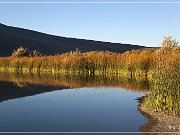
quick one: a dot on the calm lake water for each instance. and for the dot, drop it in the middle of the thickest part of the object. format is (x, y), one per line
(33, 105)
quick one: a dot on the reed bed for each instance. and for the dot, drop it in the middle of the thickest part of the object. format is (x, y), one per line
(132, 63)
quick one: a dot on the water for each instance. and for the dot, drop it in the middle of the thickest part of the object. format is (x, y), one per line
(38, 107)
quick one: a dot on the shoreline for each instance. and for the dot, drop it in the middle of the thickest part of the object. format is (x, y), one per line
(159, 122)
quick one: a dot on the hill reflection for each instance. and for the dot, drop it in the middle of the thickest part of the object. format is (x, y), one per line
(21, 85)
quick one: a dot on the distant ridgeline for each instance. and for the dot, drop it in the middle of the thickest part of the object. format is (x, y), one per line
(12, 37)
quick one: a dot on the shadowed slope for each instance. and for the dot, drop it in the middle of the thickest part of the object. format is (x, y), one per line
(12, 37)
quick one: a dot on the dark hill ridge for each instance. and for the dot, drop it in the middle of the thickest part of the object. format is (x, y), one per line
(12, 37)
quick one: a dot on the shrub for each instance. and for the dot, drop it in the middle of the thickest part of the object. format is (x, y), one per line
(24, 52)
(168, 42)
(20, 52)
(34, 53)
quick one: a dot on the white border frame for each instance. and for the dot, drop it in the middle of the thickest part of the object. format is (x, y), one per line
(88, 2)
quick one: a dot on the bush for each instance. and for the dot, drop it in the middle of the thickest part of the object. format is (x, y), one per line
(24, 52)
(168, 42)
(35, 53)
(20, 52)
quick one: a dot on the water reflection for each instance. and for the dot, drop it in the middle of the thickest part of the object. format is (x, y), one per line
(10, 90)
(21, 85)
(67, 103)
(82, 110)
(21, 80)
(71, 105)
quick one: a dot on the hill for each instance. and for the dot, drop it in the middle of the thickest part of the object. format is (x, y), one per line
(12, 37)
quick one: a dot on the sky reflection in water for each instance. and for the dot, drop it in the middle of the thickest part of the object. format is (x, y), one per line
(80, 109)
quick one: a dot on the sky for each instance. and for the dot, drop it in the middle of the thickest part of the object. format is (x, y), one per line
(141, 23)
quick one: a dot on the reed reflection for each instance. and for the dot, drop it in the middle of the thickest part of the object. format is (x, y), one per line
(21, 85)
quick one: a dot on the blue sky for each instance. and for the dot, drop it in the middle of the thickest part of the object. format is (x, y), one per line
(143, 24)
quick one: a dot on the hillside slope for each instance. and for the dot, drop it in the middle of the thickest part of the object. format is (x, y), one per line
(12, 37)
